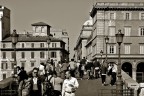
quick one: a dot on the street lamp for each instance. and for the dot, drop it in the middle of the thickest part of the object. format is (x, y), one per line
(48, 42)
(119, 86)
(106, 41)
(101, 52)
(14, 38)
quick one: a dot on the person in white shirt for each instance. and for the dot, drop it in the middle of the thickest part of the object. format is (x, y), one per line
(72, 67)
(113, 76)
(70, 85)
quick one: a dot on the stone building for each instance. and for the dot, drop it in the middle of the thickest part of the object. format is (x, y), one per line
(80, 49)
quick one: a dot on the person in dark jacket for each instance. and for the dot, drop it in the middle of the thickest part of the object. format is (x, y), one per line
(81, 70)
(89, 68)
(22, 75)
(36, 85)
(83, 61)
(103, 72)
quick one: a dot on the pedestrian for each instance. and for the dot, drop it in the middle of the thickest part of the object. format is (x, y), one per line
(57, 84)
(96, 68)
(83, 61)
(41, 71)
(36, 85)
(64, 68)
(22, 75)
(72, 67)
(89, 69)
(70, 85)
(114, 71)
(24, 87)
(81, 71)
(57, 67)
(103, 72)
(141, 91)
(48, 88)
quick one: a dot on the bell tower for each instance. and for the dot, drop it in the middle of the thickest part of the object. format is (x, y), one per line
(4, 22)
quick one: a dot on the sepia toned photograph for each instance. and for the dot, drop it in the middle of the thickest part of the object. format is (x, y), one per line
(71, 47)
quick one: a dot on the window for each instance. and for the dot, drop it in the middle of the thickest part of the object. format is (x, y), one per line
(22, 54)
(141, 31)
(32, 54)
(4, 76)
(42, 54)
(111, 49)
(112, 16)
(36, 28)
(41, 45)
(12, 55)
(127, 49)
(42, 29)
(127, 16)
(32, 64)
(53, 54)
(141, 48)
(4, 45)
(142, 16)
(127, 31)
(54, 45)
(4, 55)
(22, 64)
(111, 31)
(12, 65)
(23, 45)
(32, 45)
(4, 65)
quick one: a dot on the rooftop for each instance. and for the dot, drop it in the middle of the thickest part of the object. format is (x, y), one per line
(25, 38)
(40, 24)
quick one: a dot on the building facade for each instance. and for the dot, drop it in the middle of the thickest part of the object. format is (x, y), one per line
(80, 49)
(108, 18)
(61, 34)
(32, 48)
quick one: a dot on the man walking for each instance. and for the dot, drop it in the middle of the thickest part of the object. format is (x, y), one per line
(70, 85)
(72, 66)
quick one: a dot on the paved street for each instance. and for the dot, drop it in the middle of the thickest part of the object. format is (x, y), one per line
(92, 88)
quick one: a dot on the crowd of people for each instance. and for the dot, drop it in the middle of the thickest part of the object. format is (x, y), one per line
(48, 80)
(61, 79)
(96, 69)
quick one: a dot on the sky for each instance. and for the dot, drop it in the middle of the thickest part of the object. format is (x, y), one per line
(60, 14)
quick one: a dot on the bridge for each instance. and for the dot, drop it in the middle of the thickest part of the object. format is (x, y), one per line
(87, 87)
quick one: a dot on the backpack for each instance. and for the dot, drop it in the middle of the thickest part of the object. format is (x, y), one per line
(49, 90)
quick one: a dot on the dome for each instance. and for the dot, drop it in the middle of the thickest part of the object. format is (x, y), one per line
(88, 22)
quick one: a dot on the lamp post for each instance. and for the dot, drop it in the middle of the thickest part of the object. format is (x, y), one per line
(106, 41)
(119, 86)
(14, 38)
(101, 53)
(48, 42)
